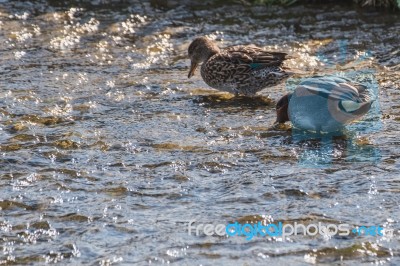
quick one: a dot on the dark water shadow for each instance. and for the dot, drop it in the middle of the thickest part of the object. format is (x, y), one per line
(223, 101)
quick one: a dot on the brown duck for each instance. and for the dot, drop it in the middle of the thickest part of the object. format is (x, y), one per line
(243, 69)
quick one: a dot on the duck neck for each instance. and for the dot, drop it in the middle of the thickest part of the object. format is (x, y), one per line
(211, 50)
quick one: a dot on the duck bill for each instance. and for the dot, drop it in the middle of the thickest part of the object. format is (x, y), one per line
(193, 67)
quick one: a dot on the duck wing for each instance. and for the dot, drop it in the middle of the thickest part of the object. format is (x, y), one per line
(337, 88)
(252, 56)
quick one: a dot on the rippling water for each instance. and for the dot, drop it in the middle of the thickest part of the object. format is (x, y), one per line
(108, 150)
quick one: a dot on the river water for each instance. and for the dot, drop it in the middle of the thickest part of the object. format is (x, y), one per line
(108, 151)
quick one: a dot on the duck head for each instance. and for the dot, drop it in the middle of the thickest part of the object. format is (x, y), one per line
(282, 109)
(199, 51)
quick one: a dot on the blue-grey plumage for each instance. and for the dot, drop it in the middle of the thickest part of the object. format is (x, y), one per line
(242, 69)
(324, 104)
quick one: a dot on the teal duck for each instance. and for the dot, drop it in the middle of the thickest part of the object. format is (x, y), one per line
(324, 104)
(243, 69)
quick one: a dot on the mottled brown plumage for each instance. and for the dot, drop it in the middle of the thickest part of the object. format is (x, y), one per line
(243, 69)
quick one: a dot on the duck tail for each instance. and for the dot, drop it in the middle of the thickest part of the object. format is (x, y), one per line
(355, 108)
